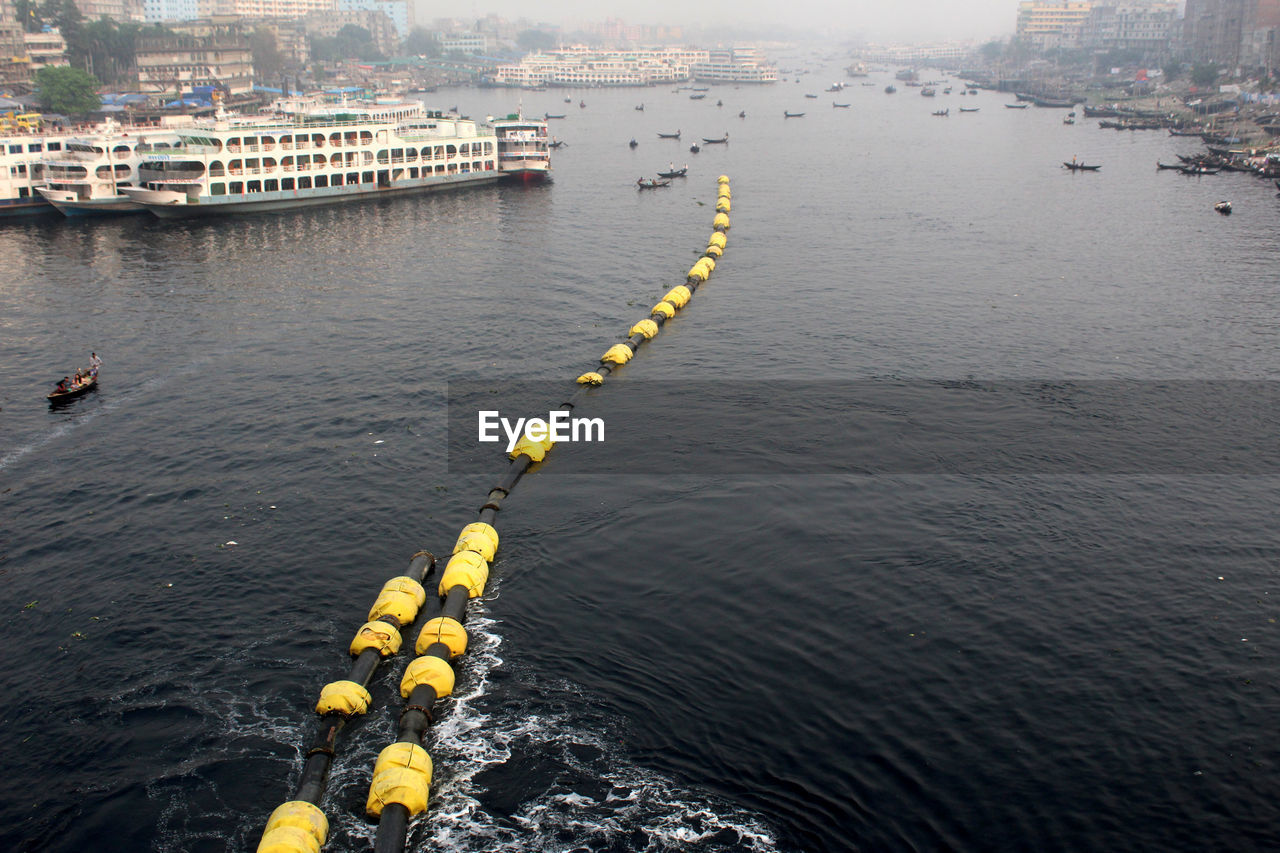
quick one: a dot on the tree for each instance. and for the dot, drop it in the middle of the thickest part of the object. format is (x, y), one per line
(421, 42)
(1171, 71)
(267, 59)
(29, 15)
(535, 40)
(1204, 76)
(67, 90)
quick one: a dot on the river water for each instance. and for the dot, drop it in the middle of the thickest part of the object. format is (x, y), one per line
(943, 517)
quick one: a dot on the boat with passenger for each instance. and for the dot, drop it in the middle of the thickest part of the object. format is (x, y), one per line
(319, 155)
(85, 177)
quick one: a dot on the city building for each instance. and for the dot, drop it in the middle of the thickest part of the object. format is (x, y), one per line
(45, 48)
(398, 11)
(1046, 25)
(472, 44)
(173, 65)
(1234, 34)
(382, 32)
(158, 11)
(120, 11)
(1133, 26)
(581, 65)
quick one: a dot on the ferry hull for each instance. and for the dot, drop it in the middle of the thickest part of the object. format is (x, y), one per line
(15, 208)
(72, 205)
(168, 204)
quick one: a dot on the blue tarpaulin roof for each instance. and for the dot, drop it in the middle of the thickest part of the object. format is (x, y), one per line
(189, 102)
(258, 88)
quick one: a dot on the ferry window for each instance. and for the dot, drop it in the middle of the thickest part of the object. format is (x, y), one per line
(353, 177)
(237, 187)
(397, 155)
(255, 186)
(15, 149)
(322, 180)
(304, 183)
(366, 177)
(286, 183)
(413, 171)
(336, 181)
(382, 156)
(23, 192)
(271, 185)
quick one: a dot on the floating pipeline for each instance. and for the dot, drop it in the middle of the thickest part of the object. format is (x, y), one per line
(401, 783)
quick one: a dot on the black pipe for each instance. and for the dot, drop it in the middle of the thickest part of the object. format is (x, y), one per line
(393, 829)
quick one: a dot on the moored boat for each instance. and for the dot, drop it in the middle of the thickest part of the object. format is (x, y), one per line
(318, 157)
(22, 172)
(524, 152)
(86, 178)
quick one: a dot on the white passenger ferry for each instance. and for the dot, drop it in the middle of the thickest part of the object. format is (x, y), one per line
(86, 177)
(524, 151)
(22, 172)
(316, 156)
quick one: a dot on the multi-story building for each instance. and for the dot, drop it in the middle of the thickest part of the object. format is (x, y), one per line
(473, 44)
(1235, 34)
(178, 64)
(382, 32)
(15, 69)
(158, 11)
(1045, 25)
(1133, 26)
(120, 11)
(397, 10)
(46, 48)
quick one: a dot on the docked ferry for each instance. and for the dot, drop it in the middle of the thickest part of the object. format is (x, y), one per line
(316, 156)
(22, 173)
(87, 176)
(524, 150)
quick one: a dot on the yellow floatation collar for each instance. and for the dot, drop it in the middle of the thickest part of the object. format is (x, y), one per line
(646, 327)
(617, 354)
(666, 309)
(376, 635)
(535, 450)
(723, 179)
(343, 697)
(295, 826)
(678, 296)
(401, 775)
(721, 221)
(431, 670)
(479, 537)
(717, 239)
(467, 569)
(401, 598)
(442, 629)
(591, 378)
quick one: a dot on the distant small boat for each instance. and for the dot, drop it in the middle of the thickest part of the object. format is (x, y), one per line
(640, 108)
(698, 97)
(811, 96)
(786, 114)
(651, 183)
(555, 143)
(568, 100)
(889, 90)
(742, 114)
(1017, 106)
(943, 113)
(633, 143)
(839, 106)
(678, 173)
(582, 104)
(675, 135)
(928, 92)
(719, 103)
(1080, 167)
(549, 116)
(969, 109)
(1160, 166)
(1223, 207)
(722, 140)
(1068, 120)
(694, 148)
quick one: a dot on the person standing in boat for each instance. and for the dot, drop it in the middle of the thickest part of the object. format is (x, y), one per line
(94, 363)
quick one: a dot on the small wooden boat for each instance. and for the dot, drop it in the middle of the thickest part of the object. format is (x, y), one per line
(1161, 166)
(1223, 207)
(786, 114)
(694, 148)
(582, 104)
(943, 113)
(633, 143)
(889, 90)
(721, 141)
(74, 391)
(1017, 106)
(555, 143)
(811, 96)
(640, 108)
(678, 173)
(742, 114)
(697, 97)
(549, 116)
(675, 135)
(651, 183)
(1080, 167)
(719, 103)
(969, 109)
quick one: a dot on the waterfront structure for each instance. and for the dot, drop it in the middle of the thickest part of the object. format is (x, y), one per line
(1235, 34)
(579, 65)
(735, 65)
(1044, 24)
(180, 64)
(159, 11)
(1147, 27)
(473, 44)
(397, 10)
(316, 156)
(120, 11)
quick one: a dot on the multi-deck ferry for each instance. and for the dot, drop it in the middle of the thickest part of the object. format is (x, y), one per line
(317, 156)
(87, 176)
(524, 151)
(22, 172)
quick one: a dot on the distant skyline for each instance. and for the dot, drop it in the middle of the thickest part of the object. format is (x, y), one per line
(905, 20)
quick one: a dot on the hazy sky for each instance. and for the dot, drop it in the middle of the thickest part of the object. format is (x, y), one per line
(916, 20)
